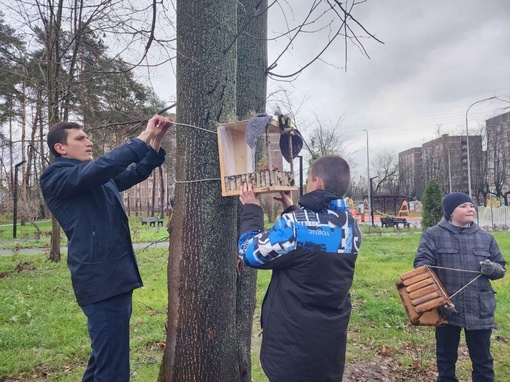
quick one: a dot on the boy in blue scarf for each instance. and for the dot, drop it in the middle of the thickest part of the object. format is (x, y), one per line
(312, 252)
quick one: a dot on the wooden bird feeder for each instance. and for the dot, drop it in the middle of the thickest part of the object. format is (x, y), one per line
(237, 162)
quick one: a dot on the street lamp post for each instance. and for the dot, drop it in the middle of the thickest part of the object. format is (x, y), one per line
(370, 198)
(369, 182)
(467, 142)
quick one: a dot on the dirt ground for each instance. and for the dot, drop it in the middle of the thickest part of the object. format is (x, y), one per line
(384, 369)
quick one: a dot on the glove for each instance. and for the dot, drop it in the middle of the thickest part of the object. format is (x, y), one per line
(446, 311)
(487, 267)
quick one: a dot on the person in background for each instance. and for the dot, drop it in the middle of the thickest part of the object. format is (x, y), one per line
(84, 196)
(457, 242)
(312, 252)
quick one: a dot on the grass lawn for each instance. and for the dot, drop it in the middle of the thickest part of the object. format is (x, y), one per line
(43, 332)
(37, 234)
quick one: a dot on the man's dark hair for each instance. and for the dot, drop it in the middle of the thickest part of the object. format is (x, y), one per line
(334, 172)
(58, 134)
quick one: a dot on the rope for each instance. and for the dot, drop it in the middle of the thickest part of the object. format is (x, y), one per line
(453, 269)
(465, 286)
(459, 270)
(195, 181)
(195, 127)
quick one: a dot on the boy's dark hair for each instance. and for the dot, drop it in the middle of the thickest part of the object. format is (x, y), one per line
(58, 134)
(334, 172)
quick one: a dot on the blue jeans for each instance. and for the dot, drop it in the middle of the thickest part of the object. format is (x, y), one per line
(108, 325)
(478, 343)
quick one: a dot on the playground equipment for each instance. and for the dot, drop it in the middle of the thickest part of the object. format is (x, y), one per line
(404, 210)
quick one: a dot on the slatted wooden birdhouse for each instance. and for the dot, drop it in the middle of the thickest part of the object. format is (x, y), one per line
(238, 164)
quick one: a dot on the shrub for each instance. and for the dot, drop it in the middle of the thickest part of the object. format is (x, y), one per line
(432, 207)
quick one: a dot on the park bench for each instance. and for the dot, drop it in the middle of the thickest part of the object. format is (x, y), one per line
(394, 222)
(152, 221)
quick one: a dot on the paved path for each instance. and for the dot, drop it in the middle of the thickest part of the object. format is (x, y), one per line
(32, 251)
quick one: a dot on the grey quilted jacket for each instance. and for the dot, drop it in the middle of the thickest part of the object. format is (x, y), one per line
(446, 245)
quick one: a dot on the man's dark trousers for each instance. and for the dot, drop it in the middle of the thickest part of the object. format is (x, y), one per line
(108, 325)
(478, 342)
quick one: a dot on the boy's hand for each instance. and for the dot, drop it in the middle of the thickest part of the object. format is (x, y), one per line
(285, 198)
(247, 196)
(487, 267)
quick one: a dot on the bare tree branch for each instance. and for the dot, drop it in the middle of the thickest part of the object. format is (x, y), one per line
(344, 15)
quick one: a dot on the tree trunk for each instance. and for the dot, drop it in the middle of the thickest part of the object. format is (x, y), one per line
(52, 74)
(162, 207)
(153, 196)
(251, 58)
(251, 97)
(201, 338)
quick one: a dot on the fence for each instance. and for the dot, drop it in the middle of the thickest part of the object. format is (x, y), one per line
(493, 216)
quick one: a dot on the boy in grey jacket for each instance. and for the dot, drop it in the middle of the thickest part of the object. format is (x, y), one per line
(457, 243)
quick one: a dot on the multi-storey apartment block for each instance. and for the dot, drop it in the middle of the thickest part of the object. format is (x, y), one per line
(443, 159)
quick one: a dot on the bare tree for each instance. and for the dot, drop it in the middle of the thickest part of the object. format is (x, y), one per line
(498, 160)
(200, 277)
(385, 165)
(338, 22)
(66, 74)
(326, 138)
(202, 273)
(251, 89)
(201, 340)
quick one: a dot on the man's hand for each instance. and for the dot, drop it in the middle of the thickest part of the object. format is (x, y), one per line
(487, 267)
(156, 129)
(163, 126)
(285, 198)
(247, 196)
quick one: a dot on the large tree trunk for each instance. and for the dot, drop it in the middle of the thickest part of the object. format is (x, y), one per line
(251, 57)
(251, 97)
(201, 338)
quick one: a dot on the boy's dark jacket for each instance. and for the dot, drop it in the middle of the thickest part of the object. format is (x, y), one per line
(307, 306)
(448, 246)
(84, 198)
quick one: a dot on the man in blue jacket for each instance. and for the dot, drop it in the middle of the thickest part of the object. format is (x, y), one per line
(312, 251)
(83, 195)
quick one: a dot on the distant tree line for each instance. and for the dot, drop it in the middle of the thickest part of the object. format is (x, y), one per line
(59, 67)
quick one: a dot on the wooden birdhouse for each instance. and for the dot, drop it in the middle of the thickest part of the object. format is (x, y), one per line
(237, 161)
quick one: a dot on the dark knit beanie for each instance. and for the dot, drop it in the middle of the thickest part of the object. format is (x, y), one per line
(452, 201)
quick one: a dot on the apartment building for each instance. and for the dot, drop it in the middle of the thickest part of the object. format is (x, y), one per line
(498, 154)
(443, 159)
(410, 172)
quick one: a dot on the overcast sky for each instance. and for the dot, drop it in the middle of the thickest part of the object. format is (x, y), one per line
(438, 57)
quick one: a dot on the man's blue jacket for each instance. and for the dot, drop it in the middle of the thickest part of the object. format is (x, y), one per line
(84, 198)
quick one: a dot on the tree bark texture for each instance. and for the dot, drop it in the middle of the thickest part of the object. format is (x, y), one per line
(201, 337)
(251, 58)
(251, 98)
